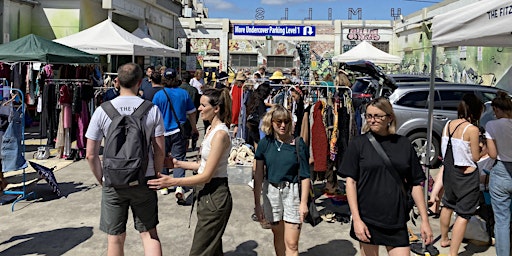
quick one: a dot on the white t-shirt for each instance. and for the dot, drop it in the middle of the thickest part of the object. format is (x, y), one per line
(197, 84)
(126, 105)
(500, 131)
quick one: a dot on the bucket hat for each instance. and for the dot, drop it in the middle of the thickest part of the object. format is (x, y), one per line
(240, 76)
(277, 75)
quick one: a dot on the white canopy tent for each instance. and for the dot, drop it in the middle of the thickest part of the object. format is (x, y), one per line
(366, 51)
(107, 38)
(484, 23)
(168, 51)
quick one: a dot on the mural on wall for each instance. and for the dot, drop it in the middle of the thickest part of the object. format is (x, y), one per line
(320, 53)
(490, 66)
(204, 44)
(321, 58)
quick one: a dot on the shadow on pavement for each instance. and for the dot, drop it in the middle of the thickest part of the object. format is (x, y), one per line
(472, 249)
(244, 249)
(53, 242)
(341, 247)
(44, 192)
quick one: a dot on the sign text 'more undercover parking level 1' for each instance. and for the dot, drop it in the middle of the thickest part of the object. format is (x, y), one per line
(250, 30)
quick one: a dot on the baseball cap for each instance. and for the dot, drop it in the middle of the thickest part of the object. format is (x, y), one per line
(222, 76)
(170, 73)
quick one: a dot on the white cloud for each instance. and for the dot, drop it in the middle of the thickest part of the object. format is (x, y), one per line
(220, 5)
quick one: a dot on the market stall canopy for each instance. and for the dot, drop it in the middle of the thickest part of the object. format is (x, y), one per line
(168, 51)
(366, 51)
(36, 48)
(109, 38)
(484, 23)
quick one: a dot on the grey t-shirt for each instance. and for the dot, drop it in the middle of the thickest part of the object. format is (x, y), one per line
(126, 105)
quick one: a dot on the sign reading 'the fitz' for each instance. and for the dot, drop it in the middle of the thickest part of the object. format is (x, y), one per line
(250, 30)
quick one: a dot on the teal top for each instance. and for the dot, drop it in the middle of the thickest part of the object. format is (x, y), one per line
(281, 160)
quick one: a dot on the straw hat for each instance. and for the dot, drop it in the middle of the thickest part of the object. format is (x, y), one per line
(240, 76)
(277, 75)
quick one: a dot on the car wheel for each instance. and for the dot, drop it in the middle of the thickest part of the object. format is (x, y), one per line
(419, 142)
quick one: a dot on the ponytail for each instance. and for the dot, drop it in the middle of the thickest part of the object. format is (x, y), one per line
(221, 98)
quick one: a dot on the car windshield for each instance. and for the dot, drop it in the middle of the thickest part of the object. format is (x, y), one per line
(360, 85)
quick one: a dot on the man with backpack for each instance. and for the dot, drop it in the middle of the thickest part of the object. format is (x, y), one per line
(176, 107)
(133, 153)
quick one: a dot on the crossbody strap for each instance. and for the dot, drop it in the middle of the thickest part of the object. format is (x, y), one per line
(172, 109)
(387, 161)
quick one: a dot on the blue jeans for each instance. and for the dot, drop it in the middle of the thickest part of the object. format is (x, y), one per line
(500, 188)
(13, 157)
(177, 146)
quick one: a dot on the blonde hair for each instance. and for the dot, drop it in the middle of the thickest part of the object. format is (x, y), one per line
(277, 112)
(384, 105)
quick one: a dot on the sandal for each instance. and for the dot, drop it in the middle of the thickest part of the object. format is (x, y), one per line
(412, 237)
(432, 214)
(329, 217)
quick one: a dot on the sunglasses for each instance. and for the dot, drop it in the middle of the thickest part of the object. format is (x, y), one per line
(279, 122)
(375, 117)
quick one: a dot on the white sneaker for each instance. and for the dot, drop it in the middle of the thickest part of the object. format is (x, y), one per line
(179, 195)
(164, 191)
(251, 184)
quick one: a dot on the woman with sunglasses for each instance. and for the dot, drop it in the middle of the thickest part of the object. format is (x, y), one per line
(376, 200)
(287, 169)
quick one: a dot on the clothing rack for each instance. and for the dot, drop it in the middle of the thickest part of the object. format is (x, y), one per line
(66, 80)
(314, 86)
(23, 194)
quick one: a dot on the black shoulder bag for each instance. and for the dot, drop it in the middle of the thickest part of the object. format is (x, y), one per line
(409, 203)
(313, 217)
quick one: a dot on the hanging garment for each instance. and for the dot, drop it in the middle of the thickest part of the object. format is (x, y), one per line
(13, 157)
(319, 139)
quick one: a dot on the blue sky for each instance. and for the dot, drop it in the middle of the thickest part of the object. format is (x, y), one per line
(299, 9)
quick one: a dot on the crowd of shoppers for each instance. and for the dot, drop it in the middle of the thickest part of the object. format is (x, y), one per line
(281, 185)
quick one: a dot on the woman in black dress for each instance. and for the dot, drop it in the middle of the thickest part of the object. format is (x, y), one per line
(376, 200)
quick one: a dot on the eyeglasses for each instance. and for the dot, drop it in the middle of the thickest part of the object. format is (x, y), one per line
(376, 117)
(279, 122)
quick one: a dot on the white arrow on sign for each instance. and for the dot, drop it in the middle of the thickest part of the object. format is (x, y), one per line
(308, 30)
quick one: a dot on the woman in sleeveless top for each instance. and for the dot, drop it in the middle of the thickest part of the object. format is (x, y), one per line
(499, 136)
(461, 151)
(214, 202)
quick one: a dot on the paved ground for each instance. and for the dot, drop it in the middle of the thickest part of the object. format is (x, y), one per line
(48, 225)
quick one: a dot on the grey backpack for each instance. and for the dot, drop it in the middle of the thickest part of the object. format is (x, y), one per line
(125, 154)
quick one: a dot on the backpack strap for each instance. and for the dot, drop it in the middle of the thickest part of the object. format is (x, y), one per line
(110, 110)
(143, 109)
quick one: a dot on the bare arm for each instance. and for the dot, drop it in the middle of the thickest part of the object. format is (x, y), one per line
(474, 142)
(93, 158)
(419, 200)
(192, 119)
(159, 153)
(220, 143)
(491, 148)
(352, 198)
(303, 208)
(360, 228)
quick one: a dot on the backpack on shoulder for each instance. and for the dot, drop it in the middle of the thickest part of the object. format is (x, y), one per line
(125, 153)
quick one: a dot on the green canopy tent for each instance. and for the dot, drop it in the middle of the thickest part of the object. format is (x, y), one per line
(36, 48)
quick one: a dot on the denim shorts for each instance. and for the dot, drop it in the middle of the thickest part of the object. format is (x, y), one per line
(281, 201)
(116, 202)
